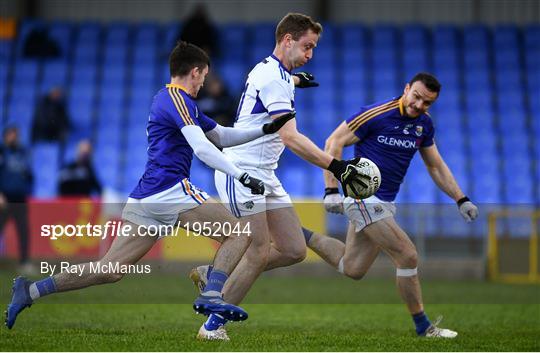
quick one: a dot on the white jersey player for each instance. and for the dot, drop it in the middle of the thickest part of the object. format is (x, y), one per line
(277, 236)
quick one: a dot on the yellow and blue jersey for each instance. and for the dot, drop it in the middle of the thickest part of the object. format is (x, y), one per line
(169, 154)
(390, 139)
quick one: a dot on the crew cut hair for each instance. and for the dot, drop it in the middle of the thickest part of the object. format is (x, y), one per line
(296, 24)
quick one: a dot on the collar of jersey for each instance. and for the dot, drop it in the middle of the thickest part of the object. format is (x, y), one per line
(174, 85)
(280, 63)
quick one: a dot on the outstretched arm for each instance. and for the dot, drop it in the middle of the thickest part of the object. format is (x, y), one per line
(223, 136)
(211, 156)
(442, 176)
(307, 150)
(440, 173)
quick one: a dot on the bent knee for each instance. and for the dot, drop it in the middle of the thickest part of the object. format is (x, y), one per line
(409, 259)
(295, 256)
(258, 253)
(354, 273)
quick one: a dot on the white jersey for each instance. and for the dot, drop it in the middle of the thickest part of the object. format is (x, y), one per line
(269, 90)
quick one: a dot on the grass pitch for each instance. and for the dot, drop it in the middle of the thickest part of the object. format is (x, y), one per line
(154, 314)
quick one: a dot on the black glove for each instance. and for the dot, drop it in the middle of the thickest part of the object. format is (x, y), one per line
(307, 80)
(345, 172)
(278, 123)
(255, 185)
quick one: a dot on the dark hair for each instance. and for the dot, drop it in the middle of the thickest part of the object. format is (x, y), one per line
(428, 80)
(296, 25)
(186, 56)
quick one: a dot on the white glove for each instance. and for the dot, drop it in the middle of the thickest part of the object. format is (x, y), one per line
(333, 201)
(468, 210)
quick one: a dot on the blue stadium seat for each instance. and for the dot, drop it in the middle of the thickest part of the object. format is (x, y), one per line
(144, 78)
(507, 60)
(414, 62)
(446, 60)
(384, 36)
(353, 100)
(146, 34)
(478, 80)
(144, 56)
(505, 37)
(475, 59)
(486, 189)
(202, 177)
(353, 35)
(444, 36)
(509, 80)
(6, 49)
(61, 33)
(114, 74)
(475, 36)
(263, 35)
(450, 78)
(384, 58)
(117, 33)
(107, 160)
(515, 144)
(295, 180)
(233, 41)
(234, 76)
(421, 187)
(115, 56)
(512, 118)
(26, 70)
(414, 37)
(84, 74)
(45, 165)
(54, 75)
(172, 31)
(89, 32)
(521, 188)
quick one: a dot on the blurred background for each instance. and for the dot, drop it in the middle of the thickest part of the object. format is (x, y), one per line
(77, 79)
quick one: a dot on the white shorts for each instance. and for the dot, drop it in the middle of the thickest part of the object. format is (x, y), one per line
(362, 213)
(241, 202)
(164, 207)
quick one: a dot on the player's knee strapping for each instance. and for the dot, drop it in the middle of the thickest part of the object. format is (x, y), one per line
(406, 272)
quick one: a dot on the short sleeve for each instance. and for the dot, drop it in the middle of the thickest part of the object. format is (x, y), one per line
(205, 122)
(276, 96)
(359, 123)
(182, 110)
(430, 134)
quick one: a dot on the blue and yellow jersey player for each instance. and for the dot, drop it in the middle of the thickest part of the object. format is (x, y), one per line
(388, 133)
(165, 196)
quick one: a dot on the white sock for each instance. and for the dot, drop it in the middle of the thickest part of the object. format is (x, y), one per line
(34, 293)
(212, 293)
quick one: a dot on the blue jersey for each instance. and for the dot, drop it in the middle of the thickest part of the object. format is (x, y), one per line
(169, 154)
(390, 139)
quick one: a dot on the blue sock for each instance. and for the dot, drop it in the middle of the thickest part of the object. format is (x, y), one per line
(45, 286)
(214, 322)
(210, 268)
(216, 281)
(422, 322)
(307, 234)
